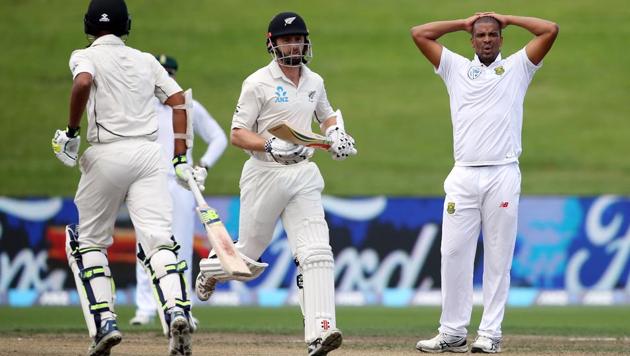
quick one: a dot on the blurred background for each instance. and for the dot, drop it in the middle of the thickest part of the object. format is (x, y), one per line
(572, 258)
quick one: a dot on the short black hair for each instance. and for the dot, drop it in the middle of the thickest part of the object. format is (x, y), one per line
(487, 19)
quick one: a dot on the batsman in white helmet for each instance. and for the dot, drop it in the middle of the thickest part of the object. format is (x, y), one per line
(117, 85)
(184, 217)
(279, 182)
(483, 189)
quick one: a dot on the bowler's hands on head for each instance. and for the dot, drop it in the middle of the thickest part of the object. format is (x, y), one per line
(501, 18)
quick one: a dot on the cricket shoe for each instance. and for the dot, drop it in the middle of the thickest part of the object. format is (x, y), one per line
(180, 340)
(329, 341)
(107, 337)
(487, 345)
(204, 286)
(141, 319)
(443, 343)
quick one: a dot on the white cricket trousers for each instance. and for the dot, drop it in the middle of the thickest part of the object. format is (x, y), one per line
(183, 230)
(270, 191)
(131, 171)
(478, 199)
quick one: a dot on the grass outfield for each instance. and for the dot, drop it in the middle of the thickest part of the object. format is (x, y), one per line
(358, 321)
(576, 111)
(367, 331)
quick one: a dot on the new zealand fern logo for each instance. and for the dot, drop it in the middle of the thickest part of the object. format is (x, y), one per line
(281, 95)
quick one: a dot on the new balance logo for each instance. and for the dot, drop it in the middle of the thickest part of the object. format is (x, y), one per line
(289, 20)
(504, 204)
(281, 95)
(103, 18)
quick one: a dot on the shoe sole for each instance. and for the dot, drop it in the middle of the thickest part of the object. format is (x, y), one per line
(104, 347)
(458, 349)
(330, 343)
(201, 295)
(479, 350)
(182, 341)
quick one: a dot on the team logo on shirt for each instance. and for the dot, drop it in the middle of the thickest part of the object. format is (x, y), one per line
(281, 95)
(311, 95)
(474, 72)
(450, 207)
(499, 70)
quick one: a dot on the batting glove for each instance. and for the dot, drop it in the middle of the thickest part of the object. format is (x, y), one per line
(65, 145)
(286, 152)
(183, 171)
(342, 144)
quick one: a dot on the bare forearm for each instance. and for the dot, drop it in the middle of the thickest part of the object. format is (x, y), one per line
(247, 140)
(435, 30)
(78, 98)
(534, 25)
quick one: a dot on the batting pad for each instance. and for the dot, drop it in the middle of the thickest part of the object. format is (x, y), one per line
(93, 279)
(169, 284)
(212, 266)
(319, 292)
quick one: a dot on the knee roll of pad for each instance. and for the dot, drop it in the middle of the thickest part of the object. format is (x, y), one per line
(92, 278)
(212, 266)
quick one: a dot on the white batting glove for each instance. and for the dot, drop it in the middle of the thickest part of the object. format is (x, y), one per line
(286, 152)
(66, 147)
(183, 171)
(342, 144)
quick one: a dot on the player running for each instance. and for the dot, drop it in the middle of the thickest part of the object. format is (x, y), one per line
(123, 164)
(279, 181)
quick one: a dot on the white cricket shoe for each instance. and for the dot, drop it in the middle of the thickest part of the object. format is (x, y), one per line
(488, 345)
(443, 343)
(204, 286)
(180, 340)
(141, 319)
(330, 340)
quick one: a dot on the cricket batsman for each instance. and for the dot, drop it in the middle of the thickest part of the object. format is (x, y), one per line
(117, 84)
(279, 181)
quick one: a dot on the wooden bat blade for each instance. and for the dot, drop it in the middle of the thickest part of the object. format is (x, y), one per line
(309, 139)
(222, 243)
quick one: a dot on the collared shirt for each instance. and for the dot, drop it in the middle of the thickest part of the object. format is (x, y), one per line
(125, 82)
(268, 97)
(486, 106)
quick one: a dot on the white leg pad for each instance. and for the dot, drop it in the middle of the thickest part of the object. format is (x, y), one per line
(93, 279)
(319, 291)
(212, 266)
(169, 284)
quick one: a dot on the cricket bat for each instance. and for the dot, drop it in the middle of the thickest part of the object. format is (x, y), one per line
(218, 236)
(309, 139)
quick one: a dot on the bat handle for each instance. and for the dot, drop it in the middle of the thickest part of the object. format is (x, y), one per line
(194, 188)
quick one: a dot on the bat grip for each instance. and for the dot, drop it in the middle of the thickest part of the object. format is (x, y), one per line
(194, 188)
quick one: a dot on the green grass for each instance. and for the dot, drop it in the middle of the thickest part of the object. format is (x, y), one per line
(359, 321)
(576, 112)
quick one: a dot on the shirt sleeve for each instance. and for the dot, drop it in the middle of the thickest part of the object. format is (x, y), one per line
(448, 64)
(165, 86)
(248, 107)
(209, 130)
(81, 63)
(323, 109)
(525, 64)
